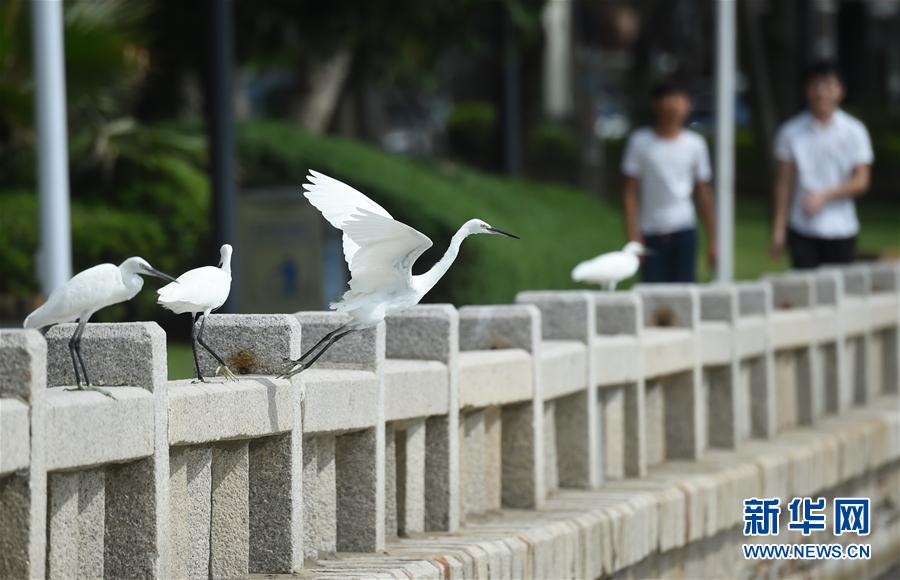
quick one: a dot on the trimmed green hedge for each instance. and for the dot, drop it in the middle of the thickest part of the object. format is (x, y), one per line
(163, 218)
(472, 133)
(99, 234)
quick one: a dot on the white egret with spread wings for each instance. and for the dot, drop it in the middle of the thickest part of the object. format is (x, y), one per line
(381, 252)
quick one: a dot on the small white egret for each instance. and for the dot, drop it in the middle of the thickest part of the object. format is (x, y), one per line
(611, 268)
(86, 293)
(380, 252)
(200, 291)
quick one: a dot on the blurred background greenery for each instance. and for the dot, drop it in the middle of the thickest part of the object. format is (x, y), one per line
(414, 103)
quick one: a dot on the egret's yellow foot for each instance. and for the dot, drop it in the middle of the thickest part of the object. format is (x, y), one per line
(297, 368)
(224, 370)
(291, 368)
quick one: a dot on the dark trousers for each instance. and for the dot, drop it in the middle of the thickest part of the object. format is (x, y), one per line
(807, 252)
(671, 258)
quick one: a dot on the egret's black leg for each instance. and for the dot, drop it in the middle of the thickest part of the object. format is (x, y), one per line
(328, 345)
(225, 370)
(305, 365)
(194, 346)
(79, 332)
(74, 358)
(76, 346)
(323, 340)
(291, 364)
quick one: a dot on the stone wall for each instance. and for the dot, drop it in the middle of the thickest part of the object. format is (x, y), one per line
(572, 434)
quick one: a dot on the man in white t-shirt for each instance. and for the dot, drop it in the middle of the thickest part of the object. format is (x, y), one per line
(666, 171)
(824, 157)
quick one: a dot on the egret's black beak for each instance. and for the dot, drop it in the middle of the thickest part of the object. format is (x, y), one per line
(502, 233)
(154, 272)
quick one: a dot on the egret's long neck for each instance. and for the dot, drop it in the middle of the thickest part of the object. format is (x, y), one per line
(131, 280)
(226, 264)
(426, 281)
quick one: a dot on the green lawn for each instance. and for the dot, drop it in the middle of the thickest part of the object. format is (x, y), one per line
(181, 361)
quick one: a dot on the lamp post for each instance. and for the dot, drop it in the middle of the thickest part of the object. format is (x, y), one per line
(54, 258)
(220, 131)
(726, 65)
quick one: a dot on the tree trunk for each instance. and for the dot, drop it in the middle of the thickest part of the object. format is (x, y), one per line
(314, 111)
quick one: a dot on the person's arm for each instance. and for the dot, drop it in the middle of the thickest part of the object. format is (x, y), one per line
(631, 205)
(781, 194)
(704, 201)
(856, 186)
(705, 206)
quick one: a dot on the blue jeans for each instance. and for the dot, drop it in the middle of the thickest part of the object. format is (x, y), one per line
(672, 257)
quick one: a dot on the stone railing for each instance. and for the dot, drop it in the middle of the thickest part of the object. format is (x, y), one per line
(573, 434)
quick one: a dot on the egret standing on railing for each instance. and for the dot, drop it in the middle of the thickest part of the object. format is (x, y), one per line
(197, 291)
(612, 267)
(86, 293)
(380, 252)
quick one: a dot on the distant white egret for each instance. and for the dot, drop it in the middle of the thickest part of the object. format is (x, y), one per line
(86, 293)
(611, 268)
(200, 291)
(380, 252)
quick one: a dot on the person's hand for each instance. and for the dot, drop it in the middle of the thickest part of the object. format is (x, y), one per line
(814, 201)
(776, 247)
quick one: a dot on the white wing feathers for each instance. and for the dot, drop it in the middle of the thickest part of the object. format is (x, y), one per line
(387, 250)
(80, 295)
(338, 202)
(196, 290)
